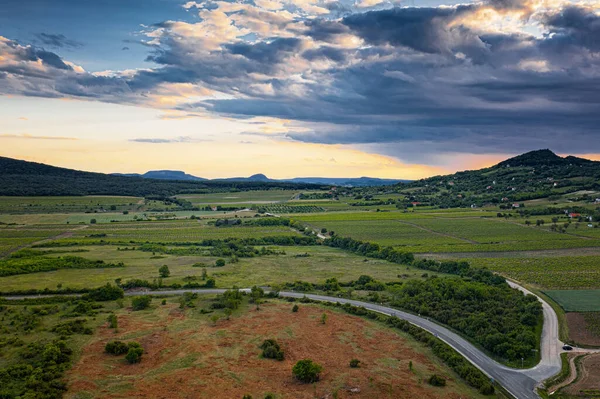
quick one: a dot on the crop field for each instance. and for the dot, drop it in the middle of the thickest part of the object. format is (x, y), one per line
(393, 233)
(62, 204)
(576, 300)
(287, 209)
(313, 264)
(241, 197)
(12, 238)
(553, 273)
(184, 231)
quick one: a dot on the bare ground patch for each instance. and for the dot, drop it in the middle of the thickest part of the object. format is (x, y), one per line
(583, 329)
(588, 384)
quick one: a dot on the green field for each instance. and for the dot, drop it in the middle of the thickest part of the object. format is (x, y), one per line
(63, 204)
(576, 300)
(563, 273)
(321, 264)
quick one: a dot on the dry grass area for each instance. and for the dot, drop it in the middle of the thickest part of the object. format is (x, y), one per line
(186, 356)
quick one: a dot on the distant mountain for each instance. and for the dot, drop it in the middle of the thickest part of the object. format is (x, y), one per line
(353, 182)
(536, 174)
(23, 178)
(163, 175)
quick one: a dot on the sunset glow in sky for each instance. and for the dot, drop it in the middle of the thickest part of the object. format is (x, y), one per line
(294, 88)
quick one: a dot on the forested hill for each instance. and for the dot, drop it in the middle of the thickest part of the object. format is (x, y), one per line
(536, 174)
(35, 179)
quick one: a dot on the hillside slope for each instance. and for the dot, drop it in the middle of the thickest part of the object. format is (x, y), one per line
(35, 179)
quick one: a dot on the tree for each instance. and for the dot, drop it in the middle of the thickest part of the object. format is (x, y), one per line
(220, 262)
(141, 302)
(323, 230)
(164, 271)
(307, 371)
(295, 308)
(354, 363)
(116, 348)
(256, 293)
(228, 313)
(204, 273)
(92, 221)
(214, 318)
(113, 207)
(106, 293)
(210, 283)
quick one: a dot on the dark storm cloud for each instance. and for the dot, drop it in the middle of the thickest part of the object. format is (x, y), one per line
(418, 78)
(57, 40)
(266, 53)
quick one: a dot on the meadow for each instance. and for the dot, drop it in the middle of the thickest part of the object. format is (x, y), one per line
(240, 197)
(312, 264)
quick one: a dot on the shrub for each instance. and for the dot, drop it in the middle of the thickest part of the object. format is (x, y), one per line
(437, 381)
(164, 271)
(134, 354)
(354, 363)
(116, 348)
(141, 302)
(323, 318)
(112, 320)
(247, 396)
(220, 263)
(210, 283)
(164, 302)
(271, 350)
(295, 308)
(106, 293)
(307, 371)
(269, 396)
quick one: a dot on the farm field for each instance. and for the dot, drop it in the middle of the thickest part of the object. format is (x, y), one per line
(584, 328)
(223, 360)
(16, 205)
(240, 197)
(552, 273)
(320, 264)
(576, 300)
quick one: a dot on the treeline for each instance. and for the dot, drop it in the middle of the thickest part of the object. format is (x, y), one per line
(29, 261)
(500, 319)
(221, 248)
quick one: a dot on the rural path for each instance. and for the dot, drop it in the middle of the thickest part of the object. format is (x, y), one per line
(437, 232)
(570, 378)
(521, 383)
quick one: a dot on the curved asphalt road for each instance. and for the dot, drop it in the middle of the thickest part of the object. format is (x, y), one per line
(521, 383)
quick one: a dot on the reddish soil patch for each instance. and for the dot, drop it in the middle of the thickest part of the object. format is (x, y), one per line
(579, 330)
(588, 384)
(187, 357)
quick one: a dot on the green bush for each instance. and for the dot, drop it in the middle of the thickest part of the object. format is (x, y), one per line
(134, 354)
(106, 293)
(116, 348)
(271, 350)
(307, 371)
(112, 320)
(220, 263)
(141, 302)
(437, 381)
(295, 308)
(354, 363)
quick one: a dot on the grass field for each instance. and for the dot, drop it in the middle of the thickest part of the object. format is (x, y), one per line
(576, 300)
(321, 264)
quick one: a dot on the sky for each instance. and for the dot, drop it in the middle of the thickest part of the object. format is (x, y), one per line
(289, 88)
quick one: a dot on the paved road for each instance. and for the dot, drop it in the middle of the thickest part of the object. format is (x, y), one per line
(521, 383)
